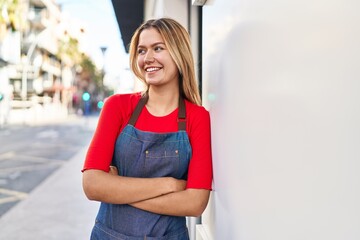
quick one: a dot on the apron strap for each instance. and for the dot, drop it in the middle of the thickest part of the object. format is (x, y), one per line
(135, 115)
(143, 100)
(182, 115)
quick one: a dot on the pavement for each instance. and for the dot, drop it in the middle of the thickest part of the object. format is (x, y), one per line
(37, 114)
(57, 209)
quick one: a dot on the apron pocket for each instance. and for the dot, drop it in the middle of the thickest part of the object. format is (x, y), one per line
(181, 234)
(161, 162)
(102, 232)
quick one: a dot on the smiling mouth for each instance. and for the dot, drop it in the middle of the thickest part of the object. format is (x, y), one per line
(152, 69)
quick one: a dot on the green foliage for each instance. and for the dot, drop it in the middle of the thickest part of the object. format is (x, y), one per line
(13, 17)
(89, 68)
(69, 51)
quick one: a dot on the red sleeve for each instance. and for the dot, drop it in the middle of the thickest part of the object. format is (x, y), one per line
(113, 117)
(200, 168)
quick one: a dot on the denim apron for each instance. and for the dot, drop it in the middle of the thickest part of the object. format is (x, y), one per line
(146, 155)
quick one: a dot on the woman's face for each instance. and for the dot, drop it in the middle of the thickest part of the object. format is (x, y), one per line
(154, 59)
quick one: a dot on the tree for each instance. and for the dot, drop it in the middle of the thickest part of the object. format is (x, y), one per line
(68, 50)
(11, 15)
(93, 74)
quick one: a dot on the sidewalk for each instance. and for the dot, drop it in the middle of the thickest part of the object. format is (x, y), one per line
(56, 210)
(37, 114)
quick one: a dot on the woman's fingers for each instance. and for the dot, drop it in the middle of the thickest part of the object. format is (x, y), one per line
(113, 170)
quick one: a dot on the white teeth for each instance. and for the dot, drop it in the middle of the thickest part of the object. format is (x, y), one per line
(152, 69)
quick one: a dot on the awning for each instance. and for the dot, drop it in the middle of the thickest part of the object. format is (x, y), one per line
(129, 15)
(3, 63)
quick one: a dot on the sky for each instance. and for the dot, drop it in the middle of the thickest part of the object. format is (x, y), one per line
(101, 30)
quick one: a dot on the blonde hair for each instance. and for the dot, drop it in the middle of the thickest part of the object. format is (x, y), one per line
(177, 40)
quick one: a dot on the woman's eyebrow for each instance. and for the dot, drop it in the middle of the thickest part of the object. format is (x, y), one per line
(154, 44)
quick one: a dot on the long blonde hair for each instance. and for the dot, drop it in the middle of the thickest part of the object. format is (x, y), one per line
(177, 40)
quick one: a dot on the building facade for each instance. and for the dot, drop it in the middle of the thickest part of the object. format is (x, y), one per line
(41, 51)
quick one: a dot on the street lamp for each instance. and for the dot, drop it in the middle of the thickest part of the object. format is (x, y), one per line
(28, 56)
(103, 50)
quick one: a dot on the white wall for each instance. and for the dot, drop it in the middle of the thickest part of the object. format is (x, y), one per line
(176, 9)
(282, 82)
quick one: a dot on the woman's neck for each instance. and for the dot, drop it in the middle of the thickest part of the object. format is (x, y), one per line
(162, 103)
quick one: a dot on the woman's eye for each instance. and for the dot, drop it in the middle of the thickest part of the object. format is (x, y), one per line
(141, 51)
(157, 49)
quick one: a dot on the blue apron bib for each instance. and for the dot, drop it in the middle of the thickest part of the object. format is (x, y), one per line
(146, 154)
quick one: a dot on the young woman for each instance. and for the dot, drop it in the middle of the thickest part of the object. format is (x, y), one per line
(149, 162)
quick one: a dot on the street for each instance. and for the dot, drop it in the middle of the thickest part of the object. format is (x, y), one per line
(29, 154)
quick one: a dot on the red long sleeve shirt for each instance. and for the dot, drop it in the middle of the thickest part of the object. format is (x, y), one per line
(115, 116)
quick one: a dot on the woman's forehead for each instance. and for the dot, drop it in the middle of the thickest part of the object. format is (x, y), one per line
(149, 36)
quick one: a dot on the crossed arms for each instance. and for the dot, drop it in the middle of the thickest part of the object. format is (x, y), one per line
(165, 195)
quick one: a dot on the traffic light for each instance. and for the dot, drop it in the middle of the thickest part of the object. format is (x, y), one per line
(86, 96)
(1, 97)
(100, 104)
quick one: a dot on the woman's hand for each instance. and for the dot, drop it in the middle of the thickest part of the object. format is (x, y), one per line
(178, 185)
(113, 170)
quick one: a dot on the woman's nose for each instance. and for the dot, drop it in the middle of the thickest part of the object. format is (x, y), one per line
(149, 58)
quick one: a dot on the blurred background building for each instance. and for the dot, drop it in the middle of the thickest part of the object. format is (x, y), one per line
(43, 61)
